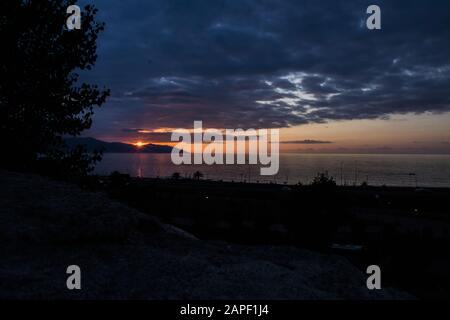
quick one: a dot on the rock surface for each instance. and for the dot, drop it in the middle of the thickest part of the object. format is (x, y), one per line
(46, 226)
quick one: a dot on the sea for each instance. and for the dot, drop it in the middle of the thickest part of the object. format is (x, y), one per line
(407, 170)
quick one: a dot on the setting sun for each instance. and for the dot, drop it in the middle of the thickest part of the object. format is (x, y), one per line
(140, 144)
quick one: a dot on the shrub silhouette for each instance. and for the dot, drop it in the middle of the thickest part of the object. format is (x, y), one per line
(198, 175)
(176, 176)
(41, 99)
(119, 180)
(324, 180)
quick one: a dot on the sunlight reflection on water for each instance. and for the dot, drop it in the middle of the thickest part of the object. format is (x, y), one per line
(394, 170)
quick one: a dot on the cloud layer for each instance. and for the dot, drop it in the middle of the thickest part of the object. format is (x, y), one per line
(269, 63)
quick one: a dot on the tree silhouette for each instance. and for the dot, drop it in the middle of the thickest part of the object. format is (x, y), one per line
(198, 175)
(324, 180)
(41, 98)
(176, 176)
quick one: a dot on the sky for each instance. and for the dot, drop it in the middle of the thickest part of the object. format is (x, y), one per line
(310, 68)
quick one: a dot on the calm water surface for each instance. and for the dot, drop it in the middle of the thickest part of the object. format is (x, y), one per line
(393, 170)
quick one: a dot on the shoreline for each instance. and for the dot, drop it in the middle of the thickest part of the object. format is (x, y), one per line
(268, 183)
(427, 172)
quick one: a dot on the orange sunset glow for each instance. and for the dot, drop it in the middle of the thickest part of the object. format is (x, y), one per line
(407, 133)
(140, 144)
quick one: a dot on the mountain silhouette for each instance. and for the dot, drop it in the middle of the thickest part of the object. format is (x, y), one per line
(115, 147)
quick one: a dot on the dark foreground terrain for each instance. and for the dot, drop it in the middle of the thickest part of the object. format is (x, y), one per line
(46, 226)
(405, 231)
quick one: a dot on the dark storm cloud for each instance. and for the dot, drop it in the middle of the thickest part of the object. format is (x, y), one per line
(269, 63)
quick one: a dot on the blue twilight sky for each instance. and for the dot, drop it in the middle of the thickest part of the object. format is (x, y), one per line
(290, 64)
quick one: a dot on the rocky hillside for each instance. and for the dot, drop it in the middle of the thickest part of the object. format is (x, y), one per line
(46, 226)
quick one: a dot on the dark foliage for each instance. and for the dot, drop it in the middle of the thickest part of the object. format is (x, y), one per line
(41, 97)
(198, 175)
(176, 175)
(323, 180)
(119, 180)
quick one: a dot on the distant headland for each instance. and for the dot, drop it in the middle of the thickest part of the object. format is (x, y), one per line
(93, 144)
